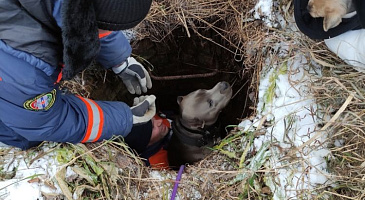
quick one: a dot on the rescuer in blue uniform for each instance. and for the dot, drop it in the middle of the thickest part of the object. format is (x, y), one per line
(45, 41)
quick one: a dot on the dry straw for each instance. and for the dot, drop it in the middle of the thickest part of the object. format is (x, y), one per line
(341, 82)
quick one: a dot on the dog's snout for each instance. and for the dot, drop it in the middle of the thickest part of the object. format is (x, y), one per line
(224, 85)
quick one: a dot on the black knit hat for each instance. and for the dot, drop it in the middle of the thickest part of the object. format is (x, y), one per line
(120, 14)
(139, 136)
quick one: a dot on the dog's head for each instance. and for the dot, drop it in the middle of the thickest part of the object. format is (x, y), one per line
(332, 11)
(202, 107)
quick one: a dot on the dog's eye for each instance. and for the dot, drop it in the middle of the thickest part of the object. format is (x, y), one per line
(210, 102)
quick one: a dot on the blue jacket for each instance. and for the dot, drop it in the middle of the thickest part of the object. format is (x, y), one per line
(32, 108)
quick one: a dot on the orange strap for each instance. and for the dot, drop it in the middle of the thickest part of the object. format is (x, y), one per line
(164, 120)
(104, 34)
(59, 77)
(159, 160)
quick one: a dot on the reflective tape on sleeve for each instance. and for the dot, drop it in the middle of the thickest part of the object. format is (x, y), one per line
(95, 121)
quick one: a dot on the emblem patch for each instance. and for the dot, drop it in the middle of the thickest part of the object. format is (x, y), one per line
(41, 102)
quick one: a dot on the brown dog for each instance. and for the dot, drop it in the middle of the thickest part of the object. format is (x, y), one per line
(195, 131)
(331, 10)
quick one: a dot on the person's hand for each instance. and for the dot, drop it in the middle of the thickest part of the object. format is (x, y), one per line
(134, 76)
(143, 109)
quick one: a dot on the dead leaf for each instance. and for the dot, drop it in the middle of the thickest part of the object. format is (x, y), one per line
(266, 190)
(60, 177)
(34, 180)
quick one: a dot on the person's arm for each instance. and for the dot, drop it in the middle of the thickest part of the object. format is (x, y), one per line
(115, 53)
(114, 49)
(96, 120)
(33, 107)
(75, 119)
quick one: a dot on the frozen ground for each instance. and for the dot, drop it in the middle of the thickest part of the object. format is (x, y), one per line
(287, 113)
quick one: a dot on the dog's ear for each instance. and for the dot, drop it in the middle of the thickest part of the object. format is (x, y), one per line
(331, 20)
(179, 99)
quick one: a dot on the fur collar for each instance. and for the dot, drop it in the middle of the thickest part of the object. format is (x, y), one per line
(80, 36)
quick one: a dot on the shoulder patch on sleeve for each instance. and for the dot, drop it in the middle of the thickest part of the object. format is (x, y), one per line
(41, 102)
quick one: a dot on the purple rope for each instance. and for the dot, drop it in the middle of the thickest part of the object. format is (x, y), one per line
(177, 181)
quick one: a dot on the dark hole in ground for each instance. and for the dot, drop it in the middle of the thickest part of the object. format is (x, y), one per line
(179, 55)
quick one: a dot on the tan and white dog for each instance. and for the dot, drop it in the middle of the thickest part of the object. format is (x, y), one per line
(332, 11)
(194, 131)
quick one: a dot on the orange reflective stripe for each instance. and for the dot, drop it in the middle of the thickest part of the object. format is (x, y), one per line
(95, 120)
(89, 120)
(104, 34)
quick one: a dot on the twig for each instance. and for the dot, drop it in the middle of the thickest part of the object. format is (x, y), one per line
(183, 76)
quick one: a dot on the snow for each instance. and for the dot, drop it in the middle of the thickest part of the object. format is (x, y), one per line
(285, 102)
(338, 143)
(263, 11)
(18, 187)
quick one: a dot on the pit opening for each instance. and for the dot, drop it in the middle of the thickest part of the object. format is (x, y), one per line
(177, 55)
(179, 65)
(183, 64)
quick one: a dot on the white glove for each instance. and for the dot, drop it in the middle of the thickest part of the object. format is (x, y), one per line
(144, 108)
(134, 76)
(350, 47)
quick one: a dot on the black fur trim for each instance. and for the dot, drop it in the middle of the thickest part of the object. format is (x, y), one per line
(80, 36)
(360, 9)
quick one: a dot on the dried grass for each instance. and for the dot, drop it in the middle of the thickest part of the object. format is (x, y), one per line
(348, 161)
